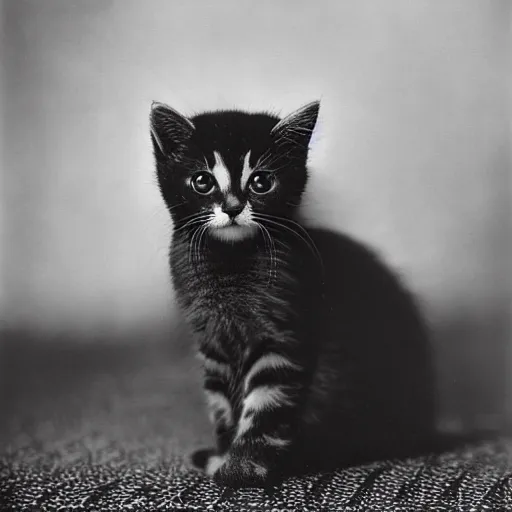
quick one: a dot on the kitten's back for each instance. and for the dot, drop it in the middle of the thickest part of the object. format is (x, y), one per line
(374, 378)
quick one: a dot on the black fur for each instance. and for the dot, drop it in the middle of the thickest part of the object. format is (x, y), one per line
(355, 381)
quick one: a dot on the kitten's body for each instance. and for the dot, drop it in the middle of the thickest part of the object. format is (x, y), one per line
(314, 353)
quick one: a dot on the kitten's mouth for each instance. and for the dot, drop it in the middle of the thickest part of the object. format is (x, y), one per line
(233, 231)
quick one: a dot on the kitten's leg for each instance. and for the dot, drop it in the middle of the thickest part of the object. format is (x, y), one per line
(217, 375)
(266, 425)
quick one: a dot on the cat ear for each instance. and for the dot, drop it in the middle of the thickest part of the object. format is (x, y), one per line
(169, 129)
(297, 128)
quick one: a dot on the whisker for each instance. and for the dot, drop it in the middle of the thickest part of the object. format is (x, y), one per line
(262, 159)
(192, 163)
(197, 214)
(191, 248)
(273, 253)
(271, 249)
(306, 239)
(194, 221)
(267, 162)
(190, 224)
(176, 206)
(193, 244)
(277, 217)
(204, 230)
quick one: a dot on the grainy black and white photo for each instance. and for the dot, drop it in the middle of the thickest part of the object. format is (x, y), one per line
(255, 255)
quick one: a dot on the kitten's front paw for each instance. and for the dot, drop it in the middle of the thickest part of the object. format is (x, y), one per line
(234, 471)
(199, 459)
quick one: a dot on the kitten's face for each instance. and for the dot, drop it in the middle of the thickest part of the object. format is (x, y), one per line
(225, 174)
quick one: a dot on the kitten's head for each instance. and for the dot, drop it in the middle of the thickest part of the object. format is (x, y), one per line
(228, 171)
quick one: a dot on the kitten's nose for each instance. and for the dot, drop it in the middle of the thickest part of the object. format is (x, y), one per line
(233, 209)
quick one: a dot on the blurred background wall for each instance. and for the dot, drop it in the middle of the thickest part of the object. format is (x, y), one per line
(412, 154)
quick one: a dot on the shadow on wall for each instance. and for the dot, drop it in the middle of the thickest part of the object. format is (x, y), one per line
(472, 354)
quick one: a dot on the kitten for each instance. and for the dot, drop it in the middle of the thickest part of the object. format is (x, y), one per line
(314, 354)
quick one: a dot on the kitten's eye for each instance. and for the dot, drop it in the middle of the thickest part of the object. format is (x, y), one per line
(261, 182)
(203, 183)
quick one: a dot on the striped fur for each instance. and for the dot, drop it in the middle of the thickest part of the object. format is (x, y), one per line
(220, 407)
(269, 362)
(214, 366)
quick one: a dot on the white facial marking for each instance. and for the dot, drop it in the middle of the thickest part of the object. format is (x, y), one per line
(217, 402)
(222, 228)
(268, 361)
(244, 218)
(221, 173)
(231, 200)
(220, 218)
(246, 170)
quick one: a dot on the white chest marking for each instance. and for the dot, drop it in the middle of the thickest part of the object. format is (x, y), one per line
(221, 173)
(246, 170)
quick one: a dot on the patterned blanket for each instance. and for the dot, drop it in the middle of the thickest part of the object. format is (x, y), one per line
(108, 428)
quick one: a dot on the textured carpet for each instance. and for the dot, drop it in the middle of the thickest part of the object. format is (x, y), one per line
(105, 428)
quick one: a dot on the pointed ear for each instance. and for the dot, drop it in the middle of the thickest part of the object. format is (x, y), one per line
(169, 129)
(297, 128)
